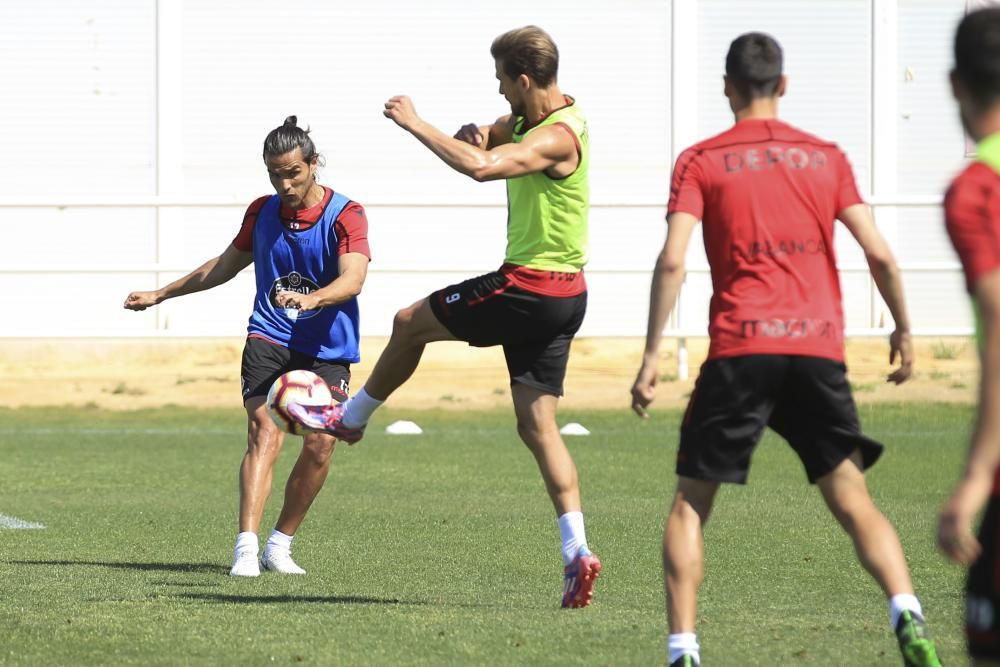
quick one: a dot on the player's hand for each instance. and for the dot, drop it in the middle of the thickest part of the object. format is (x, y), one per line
(900, 345)
(470, 134)
(141, 300)
(400, 109)
(296, 300)
(954, 535)
(644, 388)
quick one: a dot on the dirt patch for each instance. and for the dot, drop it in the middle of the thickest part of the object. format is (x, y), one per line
(132, 374)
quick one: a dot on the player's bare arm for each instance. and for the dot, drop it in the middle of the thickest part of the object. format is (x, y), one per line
(668, 276)
(859, 221)
(488, 136)
(550, 148)
(353, 271)
(212, 273)
(955, 525)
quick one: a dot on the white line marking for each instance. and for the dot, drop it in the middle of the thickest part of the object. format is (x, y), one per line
(18, 524)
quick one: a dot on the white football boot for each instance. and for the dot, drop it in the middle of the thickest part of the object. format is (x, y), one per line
(279, 560)
(245, 564)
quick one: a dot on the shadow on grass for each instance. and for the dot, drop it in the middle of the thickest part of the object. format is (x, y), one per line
(212, 568)
(283, 599)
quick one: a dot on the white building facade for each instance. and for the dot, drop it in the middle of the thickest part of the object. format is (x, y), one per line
(132, 131)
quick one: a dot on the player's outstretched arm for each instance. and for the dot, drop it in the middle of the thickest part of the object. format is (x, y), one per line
(211, 274)
(668, 276)
(859, 221)
(353, 271)
(545, 148)
(955, 536)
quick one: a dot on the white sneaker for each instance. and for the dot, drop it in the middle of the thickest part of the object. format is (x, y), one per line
(245, 564)
(280, 561)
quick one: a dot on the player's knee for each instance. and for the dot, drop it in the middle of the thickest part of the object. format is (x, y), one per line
(854, 511)
(689, 509)
(403, 322)
(262, 428)
(527, 428)
(265, 438)
(693, 500)
(535, 433)
(317, 448)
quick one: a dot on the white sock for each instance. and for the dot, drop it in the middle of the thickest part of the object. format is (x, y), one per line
(681, 644)
(359, 408)
(278, 541)
(574, 537)
(246, 541)
(903, 602)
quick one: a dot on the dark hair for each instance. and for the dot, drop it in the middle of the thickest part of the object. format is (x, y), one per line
(528, 50)
(977, 55)
(287, 138)
(753, 64)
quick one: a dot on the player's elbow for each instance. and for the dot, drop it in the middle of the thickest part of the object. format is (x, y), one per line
(482, 173)
(669, 265)
(354, 287)
(484, 167)
(881, 260)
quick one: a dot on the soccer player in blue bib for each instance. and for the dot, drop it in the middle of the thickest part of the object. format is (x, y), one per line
(309, 247)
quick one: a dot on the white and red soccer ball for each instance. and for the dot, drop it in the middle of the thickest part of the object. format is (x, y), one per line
(300, 387)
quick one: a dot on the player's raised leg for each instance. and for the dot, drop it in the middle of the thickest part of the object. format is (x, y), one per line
(264, 441)
(535, 410)
(881, 554)
(412, 328)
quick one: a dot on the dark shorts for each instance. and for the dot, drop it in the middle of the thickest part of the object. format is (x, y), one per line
(982, 590)
(264, 361)
(534, 329)
(806, 400)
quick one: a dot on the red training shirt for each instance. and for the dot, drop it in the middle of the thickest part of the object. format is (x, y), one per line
(972, 218)
(767, 195)
(351, 224)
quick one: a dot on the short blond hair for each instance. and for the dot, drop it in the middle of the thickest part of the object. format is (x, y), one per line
(528, 50)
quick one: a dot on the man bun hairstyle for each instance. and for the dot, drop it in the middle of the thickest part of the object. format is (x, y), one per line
(528, 50)
(977, 55)
(753, 65)
(287, 138)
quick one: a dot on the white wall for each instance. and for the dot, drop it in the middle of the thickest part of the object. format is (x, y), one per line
(114, 106)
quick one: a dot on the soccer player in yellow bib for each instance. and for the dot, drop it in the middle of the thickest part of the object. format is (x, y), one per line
(534, 303)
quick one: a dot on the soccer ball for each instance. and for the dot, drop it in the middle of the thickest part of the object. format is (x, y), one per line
(301, 387)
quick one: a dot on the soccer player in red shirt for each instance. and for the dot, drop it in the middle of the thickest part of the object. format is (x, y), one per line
(972, 215)
(768, 194)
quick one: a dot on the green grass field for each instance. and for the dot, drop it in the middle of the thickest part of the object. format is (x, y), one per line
(442, 548)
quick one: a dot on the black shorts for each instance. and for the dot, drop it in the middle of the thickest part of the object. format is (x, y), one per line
(264, 361)
(534, 329)
(806, 400)
(982, 590)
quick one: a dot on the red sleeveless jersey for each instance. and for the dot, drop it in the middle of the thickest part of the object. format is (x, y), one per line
(768, 195)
